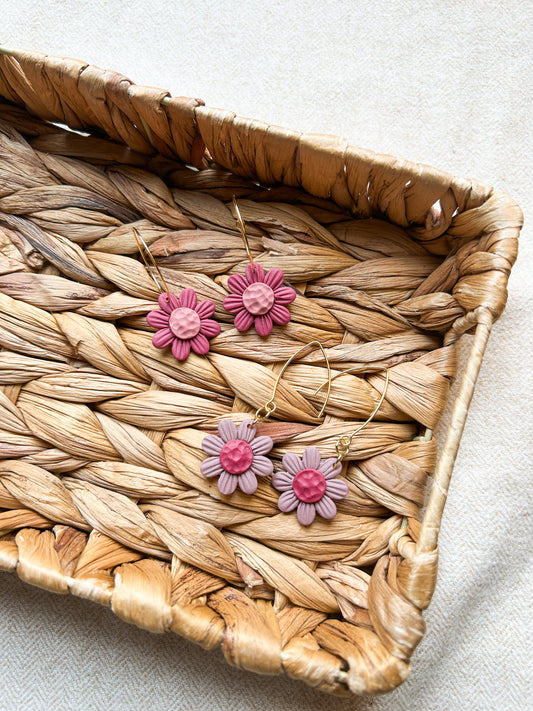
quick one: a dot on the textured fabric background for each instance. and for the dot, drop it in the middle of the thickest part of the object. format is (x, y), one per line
(450, 86)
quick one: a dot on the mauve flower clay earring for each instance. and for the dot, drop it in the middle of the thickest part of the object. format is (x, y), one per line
(259, 298)
(238, 455)
(182, 323)
(309, 483)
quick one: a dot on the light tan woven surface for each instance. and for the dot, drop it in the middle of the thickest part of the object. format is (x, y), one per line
(117, 67)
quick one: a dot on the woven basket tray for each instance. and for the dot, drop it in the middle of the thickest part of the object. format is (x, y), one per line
(100, 488)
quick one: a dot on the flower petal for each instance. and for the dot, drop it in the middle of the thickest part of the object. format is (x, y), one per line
(157, 319)
(227, 483)
(311, 458)
(282, 481)
(247, 482)
(211, 444)
(263, 324)
(168, 302)
(262, 445)
(211, 467)
(255, 273)
(243, 320)
(287, 501)
(188, 298)
(205, 309)
(330, 468)
(336, 488)
(280, 314)
(245, 432)
(233, 303)
(325, 507)
(306, 513)
(181, 349)
(163, 338)
(227, 430)
(209, 328)
(262, 466)
(292, 463)
(200, 344)
(284, 295)
(237, 283)
(274, 278)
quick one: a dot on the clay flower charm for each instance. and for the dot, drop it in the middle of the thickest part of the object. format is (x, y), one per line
(259, 299)
(183, 323)
(309, 483)
(237, 457)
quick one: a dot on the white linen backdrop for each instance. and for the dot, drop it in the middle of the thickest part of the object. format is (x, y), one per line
(447, 84)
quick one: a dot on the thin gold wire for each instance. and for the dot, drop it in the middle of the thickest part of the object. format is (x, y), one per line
(344, 442)
(241, 225)
(269, 407)
(143, 250)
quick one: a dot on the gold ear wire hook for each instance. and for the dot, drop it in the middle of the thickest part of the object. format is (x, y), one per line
(344, 442)
(269, 407)
(241, 224)
(142, 249)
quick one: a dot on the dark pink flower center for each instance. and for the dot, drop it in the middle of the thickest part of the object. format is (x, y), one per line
(236, 456)
(184, 323)
(309, 485)
(258, 298)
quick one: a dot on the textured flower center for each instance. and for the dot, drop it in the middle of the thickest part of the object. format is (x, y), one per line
(309, 485)
(184, 323)
(258, 298)
(236, 456)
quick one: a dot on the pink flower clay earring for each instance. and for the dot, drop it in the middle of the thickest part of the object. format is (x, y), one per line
(309, 483)
(259, 298)
(182, 323)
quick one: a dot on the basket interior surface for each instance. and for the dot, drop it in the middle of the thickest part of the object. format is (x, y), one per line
(101, 493)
